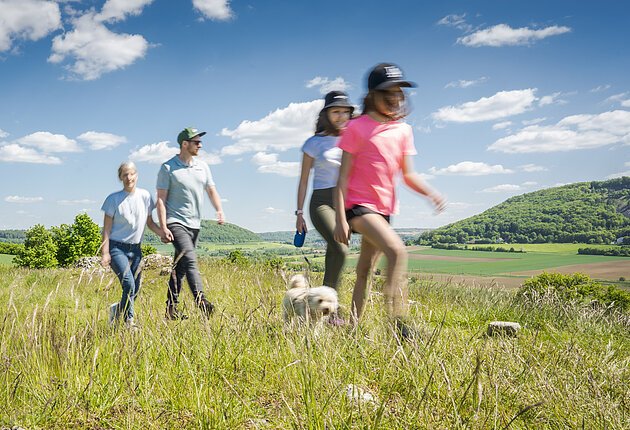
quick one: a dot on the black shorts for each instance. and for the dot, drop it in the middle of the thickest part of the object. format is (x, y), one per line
(358, 210)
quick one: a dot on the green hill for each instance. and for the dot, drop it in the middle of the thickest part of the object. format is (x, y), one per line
(214, 233)
(585, 212)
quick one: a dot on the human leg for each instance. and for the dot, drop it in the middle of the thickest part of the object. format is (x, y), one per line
(323, 217)
(368, 255)
(121, 266)
(380, 234)
(185, 240)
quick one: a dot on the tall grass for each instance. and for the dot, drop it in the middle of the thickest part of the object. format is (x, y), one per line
(62, 367)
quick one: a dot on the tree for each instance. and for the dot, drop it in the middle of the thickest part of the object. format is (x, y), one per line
(87, 232)
(67, 247)
(39, 249)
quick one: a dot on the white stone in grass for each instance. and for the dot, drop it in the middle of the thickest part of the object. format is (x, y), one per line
(358, 394)
(503, 327)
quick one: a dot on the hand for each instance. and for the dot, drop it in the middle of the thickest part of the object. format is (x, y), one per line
(439, 202)
(300, 224)
(166, 236)
(220, 217)
(106, 259)
(342, 232)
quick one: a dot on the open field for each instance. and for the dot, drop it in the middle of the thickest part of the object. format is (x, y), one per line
(63, 367)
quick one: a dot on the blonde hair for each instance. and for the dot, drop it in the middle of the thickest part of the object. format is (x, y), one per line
(124, 165)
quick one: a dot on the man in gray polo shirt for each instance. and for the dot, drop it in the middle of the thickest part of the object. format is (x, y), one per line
(181, 184)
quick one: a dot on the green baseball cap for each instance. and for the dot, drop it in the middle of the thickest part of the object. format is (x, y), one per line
(188, 133)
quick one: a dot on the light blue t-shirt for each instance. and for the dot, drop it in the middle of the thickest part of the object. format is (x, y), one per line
(327, 160)
(186, 185)
(129, 212)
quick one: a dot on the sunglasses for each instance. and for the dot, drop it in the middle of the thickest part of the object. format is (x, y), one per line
(196, 142)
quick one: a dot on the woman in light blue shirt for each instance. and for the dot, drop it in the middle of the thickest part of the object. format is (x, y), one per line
(126, 213)
(320, 153)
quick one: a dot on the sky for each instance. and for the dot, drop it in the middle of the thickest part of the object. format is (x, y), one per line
(511, 97)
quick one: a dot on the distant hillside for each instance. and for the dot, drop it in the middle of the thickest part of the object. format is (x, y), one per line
(215, 233)
(585, 212)
(315, 239)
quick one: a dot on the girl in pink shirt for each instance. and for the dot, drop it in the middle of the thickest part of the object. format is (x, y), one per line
(377, 147)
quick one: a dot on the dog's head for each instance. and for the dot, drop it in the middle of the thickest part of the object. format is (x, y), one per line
(298, 281)
(322, 300)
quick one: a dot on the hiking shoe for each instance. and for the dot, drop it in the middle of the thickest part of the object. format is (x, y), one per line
(206, 307)
(113, 313)
(404, 330)
(173, 314)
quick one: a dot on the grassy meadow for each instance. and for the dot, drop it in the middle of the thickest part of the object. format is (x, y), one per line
(63, 367)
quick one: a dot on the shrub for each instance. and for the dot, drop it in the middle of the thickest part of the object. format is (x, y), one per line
(148, 249)
(11, 248)
(39, 249)
(576, 287)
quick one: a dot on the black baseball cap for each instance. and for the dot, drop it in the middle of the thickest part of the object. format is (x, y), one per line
(385, 75)
(337, 99)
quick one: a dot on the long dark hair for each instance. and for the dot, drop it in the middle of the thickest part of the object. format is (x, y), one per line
(324, 126)
(369, 104)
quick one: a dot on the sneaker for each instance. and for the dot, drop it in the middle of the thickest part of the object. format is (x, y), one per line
(131, 325)
(206, 307)
(404, 330)
(173, 314)
(113, 313)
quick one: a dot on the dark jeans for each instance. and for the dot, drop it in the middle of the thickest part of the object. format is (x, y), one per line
(323, 218)
(125, 262)
(184, 240)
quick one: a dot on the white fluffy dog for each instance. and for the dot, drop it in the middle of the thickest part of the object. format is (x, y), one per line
(306, 303)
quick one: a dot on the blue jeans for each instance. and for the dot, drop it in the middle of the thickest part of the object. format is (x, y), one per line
(125, 263)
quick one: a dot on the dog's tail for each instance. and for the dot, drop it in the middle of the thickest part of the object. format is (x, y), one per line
(298, 281)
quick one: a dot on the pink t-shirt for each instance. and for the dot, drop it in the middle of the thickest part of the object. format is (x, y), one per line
(378, 150)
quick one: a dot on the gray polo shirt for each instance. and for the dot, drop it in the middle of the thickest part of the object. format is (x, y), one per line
(186, 185)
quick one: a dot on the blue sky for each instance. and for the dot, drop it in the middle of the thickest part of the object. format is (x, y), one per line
(512, 97)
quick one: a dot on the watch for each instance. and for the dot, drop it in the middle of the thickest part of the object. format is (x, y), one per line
(299, 212)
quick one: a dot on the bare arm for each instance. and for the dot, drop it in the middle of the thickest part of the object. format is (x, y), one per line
(154, 227)
(106, 258)
(417, 184)
(307, 165)
(215, 199)
(165, 233)
(342, 229)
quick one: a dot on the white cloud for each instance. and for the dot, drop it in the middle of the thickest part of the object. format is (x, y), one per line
(49, 143)
(600, 88)
(3, 134)
(500, 105)
(27, 19)
(503, 188)
(19, 199)
(326, 85)
(551, 99)
(571, 133)
(156, 153)
(14, 153)
(214, 9)
(625, 103)
(504, 35)
(618, 175)
(269, 163)
(501, 125)
(98, 141)
(116, 10)
(456, 21)
(280, 130)
(75, 202)
(470, 168)
(464, 83)
(618, 98)
(271, 210)
(530, 168)
(96, 50)
(533, 121)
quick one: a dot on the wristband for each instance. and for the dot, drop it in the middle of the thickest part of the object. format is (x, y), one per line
(299, 212)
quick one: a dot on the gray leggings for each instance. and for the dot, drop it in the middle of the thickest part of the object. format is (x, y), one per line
(323, 218)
